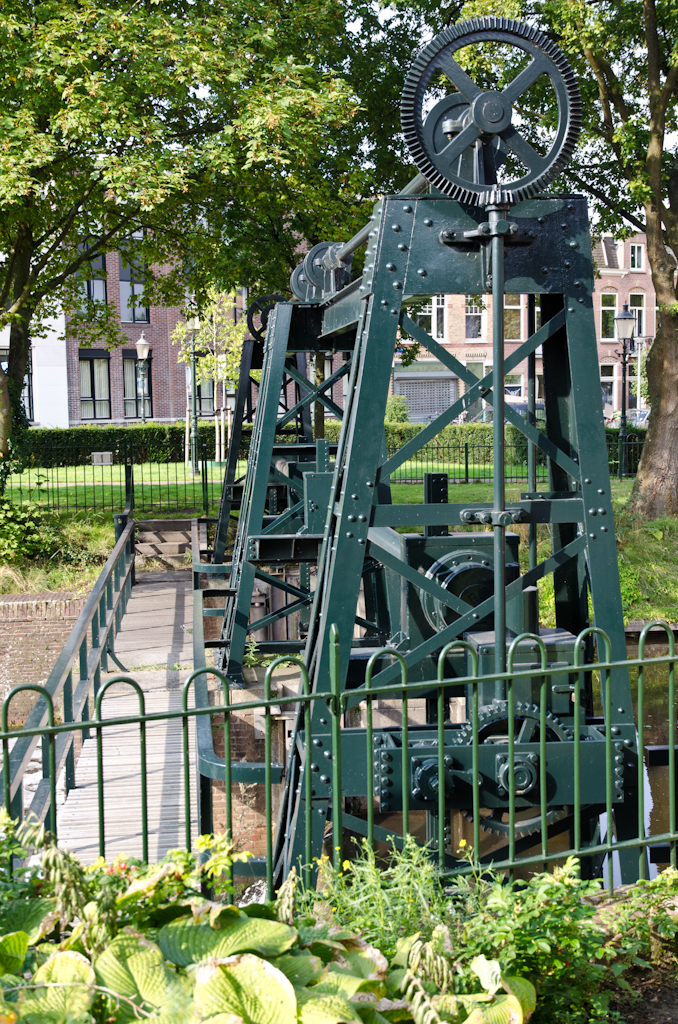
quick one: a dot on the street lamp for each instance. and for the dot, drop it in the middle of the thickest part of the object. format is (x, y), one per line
(625, 324)
(143, 348)
(193, 325)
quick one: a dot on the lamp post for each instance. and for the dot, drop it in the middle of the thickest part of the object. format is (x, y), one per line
(193, 324)
(143, 348)
(625, 324)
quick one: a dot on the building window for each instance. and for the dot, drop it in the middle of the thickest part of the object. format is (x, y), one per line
(637, 307)
(131, 290)
(631, 377)
(608, 311)
(607, 383)
(432, 317)
(513, 384)
(206, 397)
(474, 319)
(27, 393)
(512, 318)
(637, 257)
(134, 385)
(95, 392)
(94, 288)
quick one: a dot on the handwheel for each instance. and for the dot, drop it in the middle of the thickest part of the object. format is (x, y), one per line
(261, 309)
(464, 140)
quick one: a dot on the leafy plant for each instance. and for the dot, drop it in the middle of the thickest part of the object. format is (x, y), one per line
(26, 530)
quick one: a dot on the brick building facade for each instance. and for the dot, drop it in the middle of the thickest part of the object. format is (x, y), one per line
(465, 328)
(72, 385)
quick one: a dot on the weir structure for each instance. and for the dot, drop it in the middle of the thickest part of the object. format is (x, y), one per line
(384, 588)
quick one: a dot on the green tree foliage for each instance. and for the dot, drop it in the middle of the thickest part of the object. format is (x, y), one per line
(625, 54)
(218, 340)
(397, 409)
(121, 117)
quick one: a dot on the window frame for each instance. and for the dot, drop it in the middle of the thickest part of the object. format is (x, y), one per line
(472, 310)
(639, 330)
(608, 309)
(637, 248)
(132, 275)
(129, 355)
(90, 356)
(87, 284)
(514, 307)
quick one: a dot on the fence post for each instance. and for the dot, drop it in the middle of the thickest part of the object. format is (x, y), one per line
(203, 473)
(465, 462)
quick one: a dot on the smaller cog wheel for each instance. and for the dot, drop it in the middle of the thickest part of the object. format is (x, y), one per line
(493, 728)
(260, 310)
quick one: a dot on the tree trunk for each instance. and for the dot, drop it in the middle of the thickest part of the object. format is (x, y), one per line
(11, 383)
(5, 414)
(319, 409)
(655, 492)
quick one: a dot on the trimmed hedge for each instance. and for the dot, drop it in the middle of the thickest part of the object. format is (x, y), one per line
(165, 442)
(153, 442)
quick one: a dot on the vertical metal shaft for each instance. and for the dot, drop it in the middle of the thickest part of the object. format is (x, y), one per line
(495, 217)
(194, 410)
(531, 408)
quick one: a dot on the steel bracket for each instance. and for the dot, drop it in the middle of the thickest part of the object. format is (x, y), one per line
(490, 518)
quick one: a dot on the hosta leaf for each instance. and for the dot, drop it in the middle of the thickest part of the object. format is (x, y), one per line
(247, 986)
(366, 962)
(136, 969)
(369, 1015)
(488, 971)
(503, 1009)
(68, 993)
(13, 948)
(524, 991)
(325, 1008)
(36, 917)
(10, 984)
(340, 983)
(186, 942)
(300, 968)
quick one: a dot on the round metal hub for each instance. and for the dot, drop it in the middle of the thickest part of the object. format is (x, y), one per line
(491, 113)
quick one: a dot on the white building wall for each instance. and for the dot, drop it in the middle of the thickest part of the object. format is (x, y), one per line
(50, 380)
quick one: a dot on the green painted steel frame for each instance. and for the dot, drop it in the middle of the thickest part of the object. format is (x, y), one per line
(420, 246)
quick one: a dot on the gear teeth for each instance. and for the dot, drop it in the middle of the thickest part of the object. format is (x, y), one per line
(419, 76)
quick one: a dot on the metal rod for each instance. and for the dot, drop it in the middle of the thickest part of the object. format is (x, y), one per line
(441, 778)
(413, 188)
(337, 797)
(531, 409)
(495, 216)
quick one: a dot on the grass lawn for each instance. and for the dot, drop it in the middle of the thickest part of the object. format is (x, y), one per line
(648, 551)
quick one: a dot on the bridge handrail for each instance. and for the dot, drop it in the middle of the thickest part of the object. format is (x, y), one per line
(99, 617)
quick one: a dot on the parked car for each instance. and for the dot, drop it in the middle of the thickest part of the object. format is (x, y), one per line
(640, 417)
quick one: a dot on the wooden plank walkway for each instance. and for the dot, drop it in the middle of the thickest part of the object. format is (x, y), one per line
(78, 817)
(154, 645)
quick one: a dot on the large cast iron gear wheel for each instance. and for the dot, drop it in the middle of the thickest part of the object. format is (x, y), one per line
(493, 724)
(464, 139)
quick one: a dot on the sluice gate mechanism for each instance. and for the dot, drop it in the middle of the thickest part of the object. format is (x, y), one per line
(415, 578)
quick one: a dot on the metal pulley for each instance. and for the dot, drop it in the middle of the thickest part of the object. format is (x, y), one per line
(462, 144)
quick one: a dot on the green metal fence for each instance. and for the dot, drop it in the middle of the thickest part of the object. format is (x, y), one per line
(72, 478)
(90, 645)
(465, 462)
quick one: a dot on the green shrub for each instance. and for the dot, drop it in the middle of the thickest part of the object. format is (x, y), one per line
(397, 409)
(26, 531)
